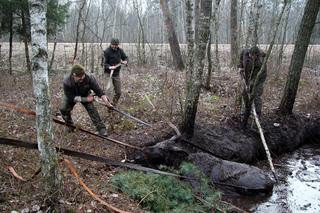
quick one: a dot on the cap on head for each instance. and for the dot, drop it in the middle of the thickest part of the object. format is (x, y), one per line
(115, 41)
(77, 70)
(254, 50)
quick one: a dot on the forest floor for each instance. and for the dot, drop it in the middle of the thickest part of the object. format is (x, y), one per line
(163, 86)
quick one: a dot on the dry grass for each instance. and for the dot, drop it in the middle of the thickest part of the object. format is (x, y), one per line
(163, 86)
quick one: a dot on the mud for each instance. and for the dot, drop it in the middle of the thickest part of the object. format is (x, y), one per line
(283, 134)
(298, 189)
(224, 150)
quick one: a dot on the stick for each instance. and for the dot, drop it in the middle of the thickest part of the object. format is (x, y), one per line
(15, 174)
(124, 113)
(96, 197)
(111, 74)
(56, 120)
(263, 140)
(110, 80)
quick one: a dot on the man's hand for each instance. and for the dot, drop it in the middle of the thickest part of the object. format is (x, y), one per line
(112, 67)
(106, 101)
(90, 98)
(124, 62)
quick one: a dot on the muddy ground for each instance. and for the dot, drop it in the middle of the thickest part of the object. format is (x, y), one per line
(163, 86)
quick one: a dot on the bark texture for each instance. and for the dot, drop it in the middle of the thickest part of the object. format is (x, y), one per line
(194, 86)
(301, 45)
(50, 168)
(234, 32)
(172, 36)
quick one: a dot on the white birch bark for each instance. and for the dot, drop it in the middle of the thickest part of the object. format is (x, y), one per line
(193, 90)
(252, 33)
(49, 159)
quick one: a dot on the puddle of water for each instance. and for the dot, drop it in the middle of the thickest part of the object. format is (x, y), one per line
(298, 189)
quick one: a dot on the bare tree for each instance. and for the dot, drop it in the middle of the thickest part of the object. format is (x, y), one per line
(284, 35)
(210, 67)
(301, 45)
(50, 167)
(10, 40)
(215, 19)
(172, 37)
(141, 39)
(190, 41)
(25, 38)
(252, 35)
(194, 87)
(234, 48)
(78, 30)
(260, 74)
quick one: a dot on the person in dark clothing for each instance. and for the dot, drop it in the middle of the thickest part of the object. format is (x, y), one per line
(77, 88)
(114, 56)
(251, 61)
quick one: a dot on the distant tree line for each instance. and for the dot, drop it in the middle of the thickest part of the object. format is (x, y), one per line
(102, 20)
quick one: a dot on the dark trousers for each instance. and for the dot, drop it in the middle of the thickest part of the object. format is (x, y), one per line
(68, 105)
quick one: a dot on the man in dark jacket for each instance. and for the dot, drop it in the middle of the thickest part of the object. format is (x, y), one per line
(77, 88)
(113, 58)
(251, 61)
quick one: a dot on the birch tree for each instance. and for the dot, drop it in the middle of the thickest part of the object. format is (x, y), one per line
(49, 159)
(264, 65)
(301, 45)
(252, 34)
(194, 86)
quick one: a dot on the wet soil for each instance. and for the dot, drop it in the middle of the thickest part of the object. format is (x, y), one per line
(298, 189)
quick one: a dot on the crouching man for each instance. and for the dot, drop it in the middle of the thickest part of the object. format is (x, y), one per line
(77, 89)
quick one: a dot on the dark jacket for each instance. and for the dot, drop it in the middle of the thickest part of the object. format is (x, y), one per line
(252, 67)
(72, 89)
(113, 57)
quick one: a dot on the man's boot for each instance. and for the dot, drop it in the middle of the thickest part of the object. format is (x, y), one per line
(103, 132)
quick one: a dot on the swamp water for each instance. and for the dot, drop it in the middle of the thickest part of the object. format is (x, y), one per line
(298, 189)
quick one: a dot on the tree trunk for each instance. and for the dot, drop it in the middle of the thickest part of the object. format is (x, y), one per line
(141, 40)
(234, 49)
(25, 39)
(301, 45)
(216, 37)
(242, 24)
(172, 37)
(257, 80)
(252, 35)
(83, 57)
(53, 53)
(210, 69)
(190, 42)
(193, 91)
(10, 43)
(49, 159)
(284, 35)
(77, 31)
(190, 49)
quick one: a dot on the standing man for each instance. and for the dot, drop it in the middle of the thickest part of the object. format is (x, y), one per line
(114, 56)
(77, 88)
(251, 61)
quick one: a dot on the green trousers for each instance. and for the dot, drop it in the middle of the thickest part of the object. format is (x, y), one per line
(116, 81)
(68, 105)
